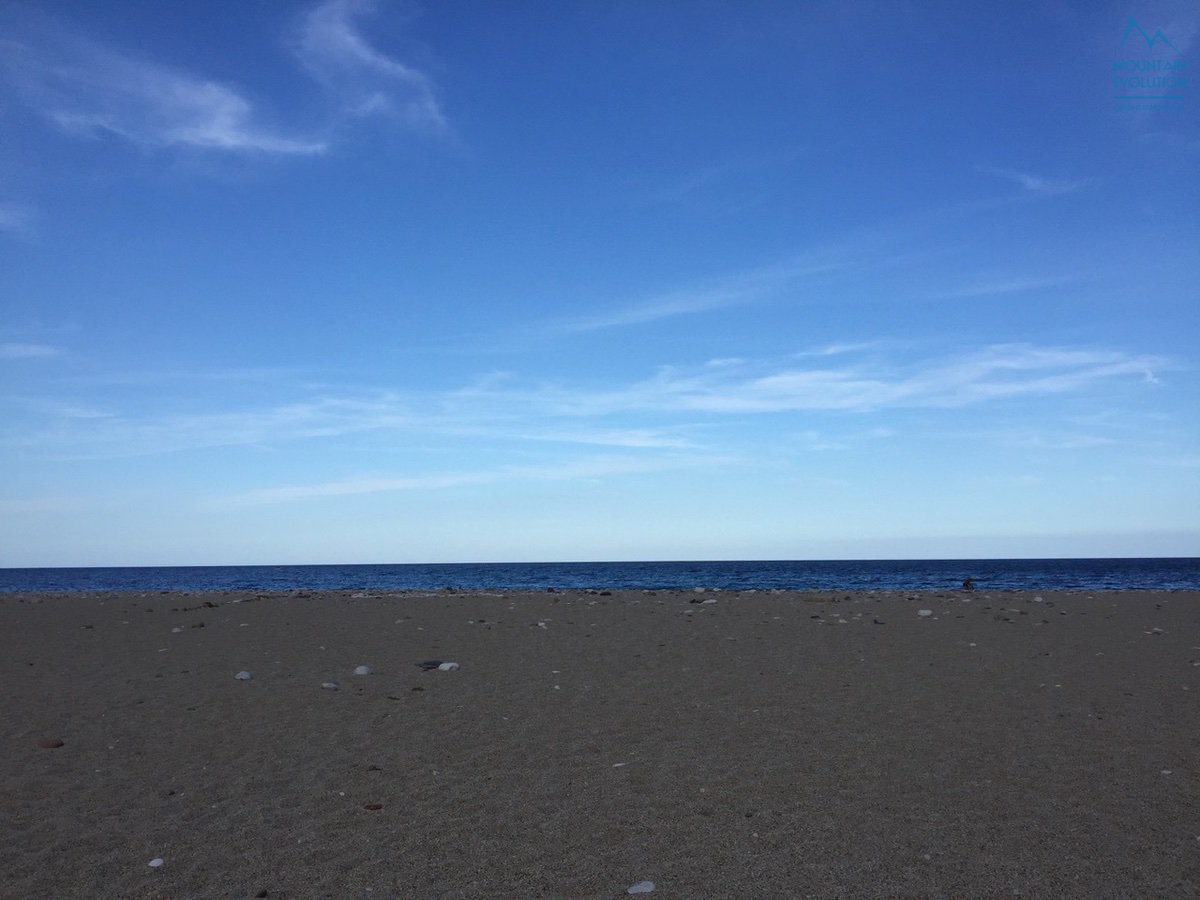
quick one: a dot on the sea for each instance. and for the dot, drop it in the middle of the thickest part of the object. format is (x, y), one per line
(1168, 574)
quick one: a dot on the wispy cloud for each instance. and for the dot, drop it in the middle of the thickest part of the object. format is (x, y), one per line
(1001, 286)
(838, 348)
(744, 287)
(573, 470)
(77, 432)
(90, 90)
(1035, 184)
(16, 220)
(27, 351)
(365, 80)
(662, 414)
(988, 374)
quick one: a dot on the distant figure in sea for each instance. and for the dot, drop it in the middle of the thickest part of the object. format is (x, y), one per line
(968, 584)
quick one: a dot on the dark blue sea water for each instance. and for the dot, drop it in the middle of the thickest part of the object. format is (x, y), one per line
(887, 575)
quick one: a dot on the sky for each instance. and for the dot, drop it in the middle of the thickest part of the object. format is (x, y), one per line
(462, 281)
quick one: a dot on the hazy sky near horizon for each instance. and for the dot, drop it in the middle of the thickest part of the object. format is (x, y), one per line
(354, 281)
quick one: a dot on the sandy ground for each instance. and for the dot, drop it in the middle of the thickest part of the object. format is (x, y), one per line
(762, 745)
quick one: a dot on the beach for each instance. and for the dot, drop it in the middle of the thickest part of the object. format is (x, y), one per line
(715, 743)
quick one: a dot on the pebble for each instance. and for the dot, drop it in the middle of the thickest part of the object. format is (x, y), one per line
(362, 670)
(448, 667)
(642, 887)
(243, 676)
(156, 862)
(329, 685)
(50, 743)
(924, 612)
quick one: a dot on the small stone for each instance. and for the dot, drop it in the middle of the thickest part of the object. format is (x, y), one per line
(373, 806)
(329, 685)
(156, 862)
(924, 612)
(50, 743)
(243, 676)
(448, 667)
(362, 670)
(642, 887)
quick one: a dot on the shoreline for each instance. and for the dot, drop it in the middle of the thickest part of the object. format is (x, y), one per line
(718, 743)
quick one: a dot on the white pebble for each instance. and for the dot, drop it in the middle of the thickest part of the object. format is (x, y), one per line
(362, 670)
(156, 862)
(642, 887)
(448, 666)
(924, 612)
(708, 601)
(243, 676)
(329, 685)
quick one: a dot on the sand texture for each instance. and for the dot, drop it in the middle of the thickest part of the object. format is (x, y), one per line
(762, 745)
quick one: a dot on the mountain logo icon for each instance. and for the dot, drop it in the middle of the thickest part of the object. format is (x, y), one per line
(1150, 40)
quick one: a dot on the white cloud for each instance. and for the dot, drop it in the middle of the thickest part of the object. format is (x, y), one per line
(1000, 286)
(113, 434)
(16, 220)
(642, 438)
(656, 415)
(27, 351)
(743, 288)
(590, 468)
(365, 80)
(990, 373)
(89, 89)
(1035, 184)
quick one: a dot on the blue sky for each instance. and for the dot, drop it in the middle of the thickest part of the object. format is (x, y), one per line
(359, 281)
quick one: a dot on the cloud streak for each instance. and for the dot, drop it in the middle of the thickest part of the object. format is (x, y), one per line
(1004, 286)
(589, 468)
(992, 373)
(16, 220)
(1035, 184)
(733, 291)
(90, 90)
(660, 414)
(366, 81)
(27, 351)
